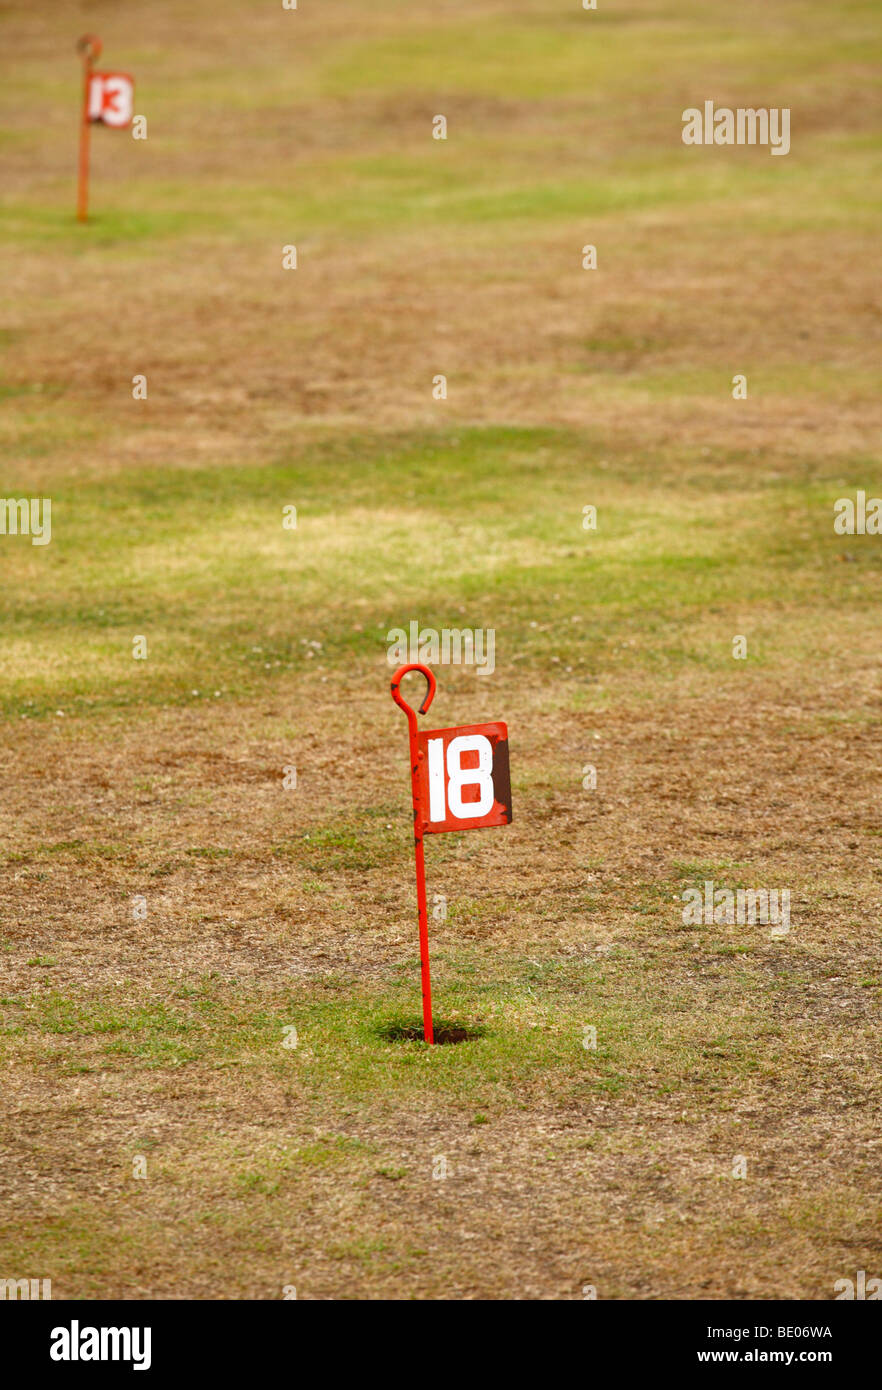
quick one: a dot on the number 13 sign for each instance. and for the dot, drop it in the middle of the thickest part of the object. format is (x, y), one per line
(459, 781)
(108, 99)
(111, 98)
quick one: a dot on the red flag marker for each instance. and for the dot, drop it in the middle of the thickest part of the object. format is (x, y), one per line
(108, 99)
(459, 781)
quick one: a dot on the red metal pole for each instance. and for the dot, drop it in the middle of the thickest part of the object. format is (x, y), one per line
(415, 755)
(428, 1032)
(90, 47)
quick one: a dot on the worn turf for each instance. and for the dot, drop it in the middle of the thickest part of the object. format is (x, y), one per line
(213, 978)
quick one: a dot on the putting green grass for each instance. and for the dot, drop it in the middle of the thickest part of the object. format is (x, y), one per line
(199, 562)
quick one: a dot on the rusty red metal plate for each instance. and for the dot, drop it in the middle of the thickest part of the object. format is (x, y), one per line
(111, 99)
(464, 778)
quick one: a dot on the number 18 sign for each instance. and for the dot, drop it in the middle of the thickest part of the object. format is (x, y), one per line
(464, 778)
(459, 781)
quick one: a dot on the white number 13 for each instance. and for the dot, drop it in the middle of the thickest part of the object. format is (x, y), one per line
(459, 777)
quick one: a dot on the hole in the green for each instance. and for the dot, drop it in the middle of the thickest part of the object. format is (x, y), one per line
(443, 1030)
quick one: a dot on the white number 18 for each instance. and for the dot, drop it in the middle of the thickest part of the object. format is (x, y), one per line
(459, 777)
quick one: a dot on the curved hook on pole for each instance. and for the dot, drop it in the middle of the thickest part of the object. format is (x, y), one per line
(90, 46)
(396, 693)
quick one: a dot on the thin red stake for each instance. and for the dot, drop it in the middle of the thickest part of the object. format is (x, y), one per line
(90, 47)
(428, 1032)
(415, 755)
